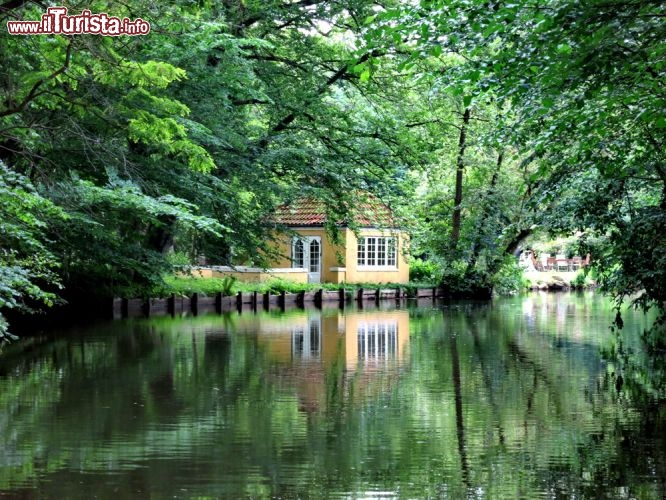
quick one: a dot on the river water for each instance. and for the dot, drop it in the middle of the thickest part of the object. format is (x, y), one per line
(508, 399)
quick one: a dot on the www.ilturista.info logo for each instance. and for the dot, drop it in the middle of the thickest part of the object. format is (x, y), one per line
(56, 21)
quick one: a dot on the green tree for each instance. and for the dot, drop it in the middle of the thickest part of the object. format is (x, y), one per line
(584, 83)
(27, 267)
(189, 137)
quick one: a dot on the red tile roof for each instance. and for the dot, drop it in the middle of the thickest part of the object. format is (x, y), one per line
(310, 211)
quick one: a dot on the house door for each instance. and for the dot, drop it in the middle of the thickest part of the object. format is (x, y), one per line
(306, 252)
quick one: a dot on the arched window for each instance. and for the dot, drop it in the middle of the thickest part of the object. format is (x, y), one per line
(298, 255)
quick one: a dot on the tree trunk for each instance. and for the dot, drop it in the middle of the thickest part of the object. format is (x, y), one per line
(460, 170)
(485, 214)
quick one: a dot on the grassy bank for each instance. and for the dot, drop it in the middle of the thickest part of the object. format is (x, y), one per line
(210, 286)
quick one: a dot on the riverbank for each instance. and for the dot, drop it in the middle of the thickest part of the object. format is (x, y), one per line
(558, 280)
(196, 303)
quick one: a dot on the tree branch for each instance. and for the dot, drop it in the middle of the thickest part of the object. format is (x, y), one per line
(338, 75)
(35, 88)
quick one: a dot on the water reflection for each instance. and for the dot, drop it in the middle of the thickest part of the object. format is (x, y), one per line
(504, 400)
(369, 337)
(312, 350)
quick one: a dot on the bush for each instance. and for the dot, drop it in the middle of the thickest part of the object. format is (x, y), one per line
(509, 279)
(579, 281)
(187, 285)
(179, 259)
(425, 271)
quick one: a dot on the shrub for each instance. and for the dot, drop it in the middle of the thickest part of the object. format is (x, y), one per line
(509, 279)
(425, 271)
(579, 281)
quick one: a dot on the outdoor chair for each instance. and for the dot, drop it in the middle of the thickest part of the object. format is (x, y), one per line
(551, 263)
(562, 263)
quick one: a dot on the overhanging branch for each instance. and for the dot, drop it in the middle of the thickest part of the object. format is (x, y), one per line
(34, 91)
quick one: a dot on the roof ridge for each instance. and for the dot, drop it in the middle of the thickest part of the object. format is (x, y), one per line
(309, 210)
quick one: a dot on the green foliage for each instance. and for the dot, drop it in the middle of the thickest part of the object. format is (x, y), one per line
(187, 285)
(426, 271)
(188, 138)
(27, 266)
(118, 222)
(179, 259)
(509, 279)
(580, 280)
(276, 286)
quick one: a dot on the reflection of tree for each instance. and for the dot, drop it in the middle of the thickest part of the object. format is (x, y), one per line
(486, 381)
(202, 399)
(460, 427)
(517, 354)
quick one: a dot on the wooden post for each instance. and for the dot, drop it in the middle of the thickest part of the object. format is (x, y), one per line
(300, 299)
(397, 294)
(171, 304)
(377, 296)
(281, 300)
(124, 308)
(146, 308)
(194, 303)
(359, 298)
(267, 300)
(318, 296)
(254, 300)
(239, 301)
(341, 298)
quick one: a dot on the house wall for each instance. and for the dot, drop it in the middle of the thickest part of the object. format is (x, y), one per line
(330, 255)
(339, 261)
(399, 274)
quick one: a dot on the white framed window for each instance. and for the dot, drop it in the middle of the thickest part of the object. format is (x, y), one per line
(376, 251)
(298, 253)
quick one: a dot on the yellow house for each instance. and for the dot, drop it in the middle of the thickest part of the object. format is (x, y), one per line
(375, 254)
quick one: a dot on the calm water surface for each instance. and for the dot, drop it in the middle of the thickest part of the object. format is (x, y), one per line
(510, 399)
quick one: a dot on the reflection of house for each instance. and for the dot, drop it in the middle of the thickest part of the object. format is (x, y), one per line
(362, 337)
(368, 346)
(377, 341)
(376, 337)
(306, 340)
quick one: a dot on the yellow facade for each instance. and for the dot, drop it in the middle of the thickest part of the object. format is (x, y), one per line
(339, 262)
